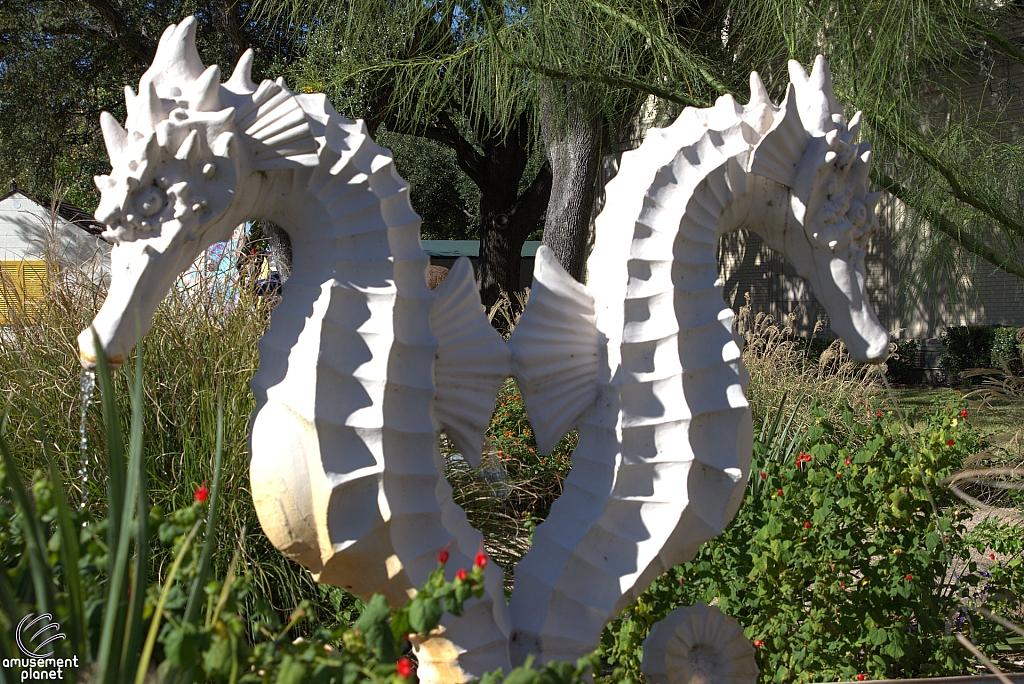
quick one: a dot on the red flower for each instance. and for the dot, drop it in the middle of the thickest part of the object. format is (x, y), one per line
(861, 677)
(758, 644)
(839, 475)
(963, 414)
(910, 577)
(780, 492)
(442, 557)
(992, 556)
(807, 525)
(203, 493)
(461, 574)
(404, 667)
(763, 476)
(878, 413)
(481, 559)
(842, 585)
(847, 461)
(949, 443)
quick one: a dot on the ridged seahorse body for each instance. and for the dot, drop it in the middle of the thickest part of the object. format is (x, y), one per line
(345, 469)
(665, 446)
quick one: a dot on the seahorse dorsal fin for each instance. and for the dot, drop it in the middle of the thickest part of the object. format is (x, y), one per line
(275, 130)
(471, 364)
(555, 351)
(779, 152)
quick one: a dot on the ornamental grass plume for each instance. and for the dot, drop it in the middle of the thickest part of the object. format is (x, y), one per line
(779, 366)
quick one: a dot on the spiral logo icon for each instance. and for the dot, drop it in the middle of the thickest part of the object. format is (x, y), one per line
(31, 645)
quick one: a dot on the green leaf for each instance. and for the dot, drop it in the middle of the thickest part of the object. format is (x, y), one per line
(291, 671)
(373, 624)
(400, 625)
(184, 646)
(218, 658)
(154, 625)
(424, 614)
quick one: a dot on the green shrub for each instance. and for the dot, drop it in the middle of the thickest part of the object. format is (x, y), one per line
(1006, 349)
(900, 366)
(966, 346)
(982, 346)
(837, 564)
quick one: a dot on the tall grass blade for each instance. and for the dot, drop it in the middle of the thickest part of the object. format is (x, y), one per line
(110, 654)
(789, 426)
(229, 579)
(115, 450)
(76, 622)
(133, 630)
(35, 538)
(154, 625)
(195, 597)
(768, 433)
(11, 611)
(7, 603)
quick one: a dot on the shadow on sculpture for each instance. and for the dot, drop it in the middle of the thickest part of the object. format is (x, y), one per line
(363, 365)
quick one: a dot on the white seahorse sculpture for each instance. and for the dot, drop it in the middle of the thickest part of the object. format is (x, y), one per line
(363, 365)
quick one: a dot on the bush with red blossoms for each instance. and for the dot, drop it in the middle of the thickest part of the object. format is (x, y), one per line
(834, 577)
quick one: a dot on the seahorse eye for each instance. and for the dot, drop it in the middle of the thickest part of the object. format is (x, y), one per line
(151, 201)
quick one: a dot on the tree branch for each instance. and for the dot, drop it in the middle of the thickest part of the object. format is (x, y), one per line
(672, 47)
(957, 190)
(135, 42)
(469, 160)
(532, 203)
(228, 19)
(558, 74)
(943, 224)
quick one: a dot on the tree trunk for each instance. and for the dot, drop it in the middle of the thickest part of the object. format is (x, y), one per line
(573, 138)
(281, 248)
(507, 219)
(496, 165)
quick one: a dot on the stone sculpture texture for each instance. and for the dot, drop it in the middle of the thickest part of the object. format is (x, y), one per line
(698, 644)
(363, 365)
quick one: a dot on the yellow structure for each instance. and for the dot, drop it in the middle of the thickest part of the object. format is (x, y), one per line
(23, 285)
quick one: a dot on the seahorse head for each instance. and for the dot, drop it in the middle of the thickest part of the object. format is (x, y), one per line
(811, 150)
(178, 182)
